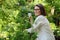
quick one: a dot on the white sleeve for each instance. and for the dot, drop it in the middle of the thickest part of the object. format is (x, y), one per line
(39, 21)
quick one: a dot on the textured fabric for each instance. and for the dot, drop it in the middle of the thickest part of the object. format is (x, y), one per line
(42, 27)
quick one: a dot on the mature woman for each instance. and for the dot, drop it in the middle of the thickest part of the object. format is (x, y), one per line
(41, 24)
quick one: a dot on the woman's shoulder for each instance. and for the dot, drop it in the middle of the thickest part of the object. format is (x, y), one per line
(40, 17)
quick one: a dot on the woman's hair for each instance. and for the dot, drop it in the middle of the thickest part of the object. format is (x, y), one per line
(41, 9)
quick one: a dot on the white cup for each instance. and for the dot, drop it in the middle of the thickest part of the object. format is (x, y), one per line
(29, 14)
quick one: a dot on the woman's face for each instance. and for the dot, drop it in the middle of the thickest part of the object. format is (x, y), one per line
(37, 11)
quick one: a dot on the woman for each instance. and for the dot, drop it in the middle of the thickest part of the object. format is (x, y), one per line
(41, 24)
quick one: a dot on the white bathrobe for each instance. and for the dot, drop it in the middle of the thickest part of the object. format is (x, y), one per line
(42, 27)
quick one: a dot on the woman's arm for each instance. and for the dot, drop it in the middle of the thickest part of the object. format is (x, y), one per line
(38, 22)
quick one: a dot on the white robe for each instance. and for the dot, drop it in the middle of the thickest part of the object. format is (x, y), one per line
(42, 27)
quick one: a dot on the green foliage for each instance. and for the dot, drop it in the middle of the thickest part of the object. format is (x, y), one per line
(57, 32)
(56, 5)
(14, 19)
(55, 29)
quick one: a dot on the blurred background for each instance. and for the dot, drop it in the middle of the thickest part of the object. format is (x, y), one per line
(14, 18)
